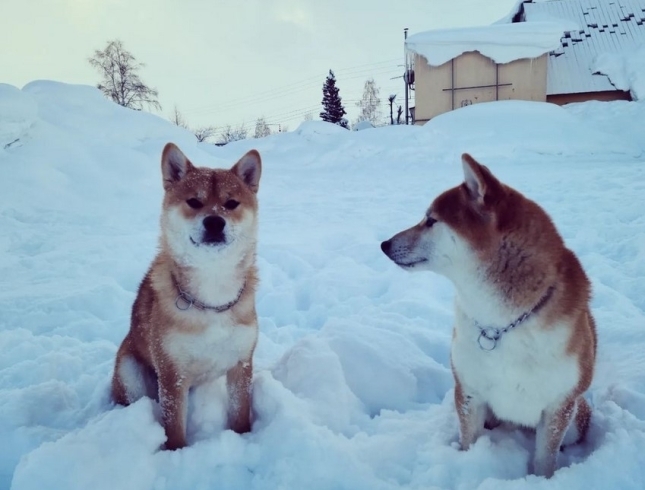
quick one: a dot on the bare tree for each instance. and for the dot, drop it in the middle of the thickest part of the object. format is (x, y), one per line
(120, 78)
(262, 129)
(370, 104)
(391, 101)
(309, 116)
(203, 133)
(178, 119)
(229, 133)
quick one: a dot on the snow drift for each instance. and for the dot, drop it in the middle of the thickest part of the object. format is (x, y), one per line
(352, 385)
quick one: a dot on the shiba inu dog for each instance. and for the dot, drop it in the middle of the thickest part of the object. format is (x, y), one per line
(194, 316)
(524, 340)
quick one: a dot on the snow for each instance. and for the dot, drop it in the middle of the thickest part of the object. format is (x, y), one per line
(362, 125)
(502, 43)
(312, 128)
(352, 386)
(626, 70)
(17, 114)
(552, 130)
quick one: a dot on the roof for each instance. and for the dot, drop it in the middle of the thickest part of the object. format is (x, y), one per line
(502, 43)
(602, 26)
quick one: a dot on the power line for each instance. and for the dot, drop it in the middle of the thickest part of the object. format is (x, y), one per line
(291, 85)
(282, 116)
(293, 88)
(259, 99)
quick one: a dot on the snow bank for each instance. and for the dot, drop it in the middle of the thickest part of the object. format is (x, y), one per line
(502, 43)
(626, 70)
(18, 113)
(522, 126)
(308, 128)
(78, 107)
(352, 386)
(362, 125)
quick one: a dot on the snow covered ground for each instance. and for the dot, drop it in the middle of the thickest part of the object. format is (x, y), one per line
(352, 386)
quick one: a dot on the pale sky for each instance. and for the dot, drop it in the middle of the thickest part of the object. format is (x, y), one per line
(231, 61)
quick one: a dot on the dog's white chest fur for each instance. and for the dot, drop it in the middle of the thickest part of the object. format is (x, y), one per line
(212, 352)
(527, 372)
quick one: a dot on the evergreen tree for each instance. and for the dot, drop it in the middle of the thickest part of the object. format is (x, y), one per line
(333, 110)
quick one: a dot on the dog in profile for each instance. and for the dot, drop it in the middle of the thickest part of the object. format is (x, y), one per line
(194, 316)
(524, 340)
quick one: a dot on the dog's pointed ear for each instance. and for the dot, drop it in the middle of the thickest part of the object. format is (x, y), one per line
(174, 165)
(249, 169)
(480, 182)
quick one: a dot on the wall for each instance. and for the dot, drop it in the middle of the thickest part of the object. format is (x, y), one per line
(523, 79)
(562, 99)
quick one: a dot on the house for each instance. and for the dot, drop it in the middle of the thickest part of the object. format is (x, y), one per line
(600, 26)
(453, 68)
(545, 50)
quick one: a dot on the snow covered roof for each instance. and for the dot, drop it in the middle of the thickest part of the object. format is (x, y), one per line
(502, 43)
(604, 26)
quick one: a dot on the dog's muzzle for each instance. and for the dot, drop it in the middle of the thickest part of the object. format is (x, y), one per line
(213, 229)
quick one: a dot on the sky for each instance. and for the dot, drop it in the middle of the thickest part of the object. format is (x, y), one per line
(231, 61)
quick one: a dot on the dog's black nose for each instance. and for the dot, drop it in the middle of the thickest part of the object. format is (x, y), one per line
(214, 224)
(386, 246)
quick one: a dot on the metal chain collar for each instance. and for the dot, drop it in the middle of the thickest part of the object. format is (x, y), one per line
(185, 300)
(489, 336)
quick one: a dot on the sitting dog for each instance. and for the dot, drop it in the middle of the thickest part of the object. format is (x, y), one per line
(524, 340)
(194, 316)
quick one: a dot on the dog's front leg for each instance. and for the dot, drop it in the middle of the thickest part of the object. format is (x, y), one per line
(548, 438)
(173, 398)
(472, 415)
(238, 384)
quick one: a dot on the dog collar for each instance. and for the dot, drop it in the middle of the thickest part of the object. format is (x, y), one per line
(489, 336)
(185, 300)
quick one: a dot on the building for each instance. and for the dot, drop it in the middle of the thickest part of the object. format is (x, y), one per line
(543, 51)
(457, 67)
(599, 26)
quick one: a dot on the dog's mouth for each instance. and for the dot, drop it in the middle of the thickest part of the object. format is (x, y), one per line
(210, 240)
(408, 265)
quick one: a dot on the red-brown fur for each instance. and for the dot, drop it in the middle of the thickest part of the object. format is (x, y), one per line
(155, 315)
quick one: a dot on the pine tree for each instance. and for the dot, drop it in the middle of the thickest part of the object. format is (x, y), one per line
(333, 110)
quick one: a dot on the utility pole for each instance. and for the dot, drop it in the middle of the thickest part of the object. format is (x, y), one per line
(405, 75)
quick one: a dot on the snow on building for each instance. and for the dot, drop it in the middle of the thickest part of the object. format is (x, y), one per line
(604, 27)
(459, 67)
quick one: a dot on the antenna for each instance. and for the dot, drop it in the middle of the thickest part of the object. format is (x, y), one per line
(405, 76)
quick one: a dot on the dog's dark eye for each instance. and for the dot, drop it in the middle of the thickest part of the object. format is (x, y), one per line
(195, 203)
(430, 221)
(231, 204)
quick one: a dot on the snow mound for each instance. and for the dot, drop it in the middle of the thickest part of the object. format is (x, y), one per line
(352, 383)
(308, 128)
(86, 111)
(523, 126)
(502, 43)
(360, 126)
(626, 70)
(18, 113)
